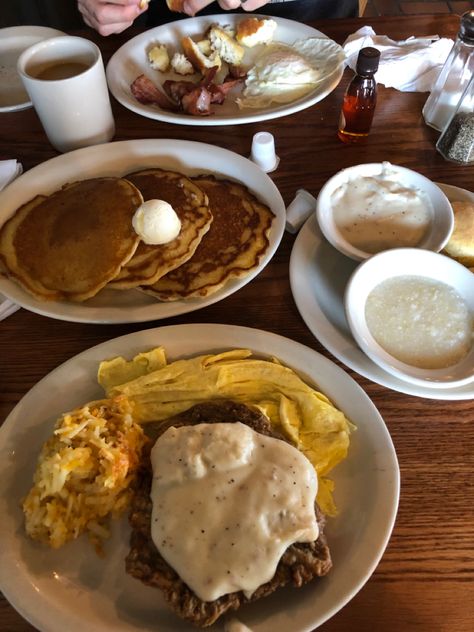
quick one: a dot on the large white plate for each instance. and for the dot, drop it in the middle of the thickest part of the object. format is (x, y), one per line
(13, 41)
(130, 61)
(318, 276)
(72, 589)
(112, 306)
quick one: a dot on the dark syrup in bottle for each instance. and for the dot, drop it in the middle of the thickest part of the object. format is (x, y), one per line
(360, 99)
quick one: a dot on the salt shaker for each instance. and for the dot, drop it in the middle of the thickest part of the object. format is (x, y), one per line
(456, 143)
(453, 78)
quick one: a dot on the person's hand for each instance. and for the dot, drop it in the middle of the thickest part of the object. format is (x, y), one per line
(191, 7)
(111, 16)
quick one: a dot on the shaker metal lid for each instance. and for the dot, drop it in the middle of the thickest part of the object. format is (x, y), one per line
(466, 31)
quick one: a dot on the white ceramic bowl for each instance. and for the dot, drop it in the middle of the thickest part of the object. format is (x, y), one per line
(436, 237)
(412, 262)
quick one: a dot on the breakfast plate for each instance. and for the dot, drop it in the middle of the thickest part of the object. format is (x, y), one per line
(130, 61)
(190, 158)
(73, 589)
(318, 276)
(13, 41)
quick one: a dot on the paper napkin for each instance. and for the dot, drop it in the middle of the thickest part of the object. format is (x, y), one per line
(410, 65)
(9, 170)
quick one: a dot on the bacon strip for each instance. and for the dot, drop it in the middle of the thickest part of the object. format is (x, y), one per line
(177, 89)
(219, 91)
(209, 77)
(197, 102)
(187, 96)
(145, 91)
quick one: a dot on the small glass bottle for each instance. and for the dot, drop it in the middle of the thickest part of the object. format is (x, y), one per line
(453, 78)
(456, 143)
(360, 98)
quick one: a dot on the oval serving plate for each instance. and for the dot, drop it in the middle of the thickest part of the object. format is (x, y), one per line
(119, 158)
(130, 61)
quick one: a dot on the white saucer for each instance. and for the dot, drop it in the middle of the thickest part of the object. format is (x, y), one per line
(318, 277)
(13, 41)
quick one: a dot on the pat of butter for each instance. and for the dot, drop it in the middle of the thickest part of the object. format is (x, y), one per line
(156, 222)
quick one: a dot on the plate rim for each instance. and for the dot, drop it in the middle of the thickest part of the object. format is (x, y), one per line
(86, 313)
(310, 232)
(333, 79)
(261, 346)
(25, 30)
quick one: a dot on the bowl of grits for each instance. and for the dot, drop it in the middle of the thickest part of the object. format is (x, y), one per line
(412, 312)
(372, 207)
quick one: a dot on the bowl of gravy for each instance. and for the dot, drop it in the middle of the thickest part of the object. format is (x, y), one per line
(412, 312)
(369, 208)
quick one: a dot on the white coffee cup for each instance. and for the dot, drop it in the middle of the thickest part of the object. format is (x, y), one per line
(65, 79)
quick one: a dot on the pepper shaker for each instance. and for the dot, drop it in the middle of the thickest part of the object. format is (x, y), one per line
(456, 143)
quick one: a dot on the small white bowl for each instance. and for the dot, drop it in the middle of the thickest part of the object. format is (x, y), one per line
(408, 262)
(443, 218)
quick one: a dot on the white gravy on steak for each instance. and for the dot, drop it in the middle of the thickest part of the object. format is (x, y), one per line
(227, 503)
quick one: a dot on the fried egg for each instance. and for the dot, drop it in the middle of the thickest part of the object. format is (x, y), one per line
(283, 73)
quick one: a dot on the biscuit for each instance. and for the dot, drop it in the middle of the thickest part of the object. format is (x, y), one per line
(461, 243)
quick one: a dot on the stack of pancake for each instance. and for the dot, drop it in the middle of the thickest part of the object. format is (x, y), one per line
(73, 243)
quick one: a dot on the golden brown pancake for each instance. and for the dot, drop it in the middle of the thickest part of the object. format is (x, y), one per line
(69, 245)
(190, 203)
(461, 243)
(234, 245)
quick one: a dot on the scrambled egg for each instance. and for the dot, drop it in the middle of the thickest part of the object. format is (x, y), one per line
(307, 418)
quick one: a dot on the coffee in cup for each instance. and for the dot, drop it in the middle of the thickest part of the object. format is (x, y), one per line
(65, 79)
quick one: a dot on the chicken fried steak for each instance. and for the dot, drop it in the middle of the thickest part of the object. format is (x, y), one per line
(300, 563)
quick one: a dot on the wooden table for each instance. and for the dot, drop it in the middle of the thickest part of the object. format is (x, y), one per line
(425, 580)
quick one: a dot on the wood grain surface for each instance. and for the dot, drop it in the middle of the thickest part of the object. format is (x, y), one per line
(425, 580)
